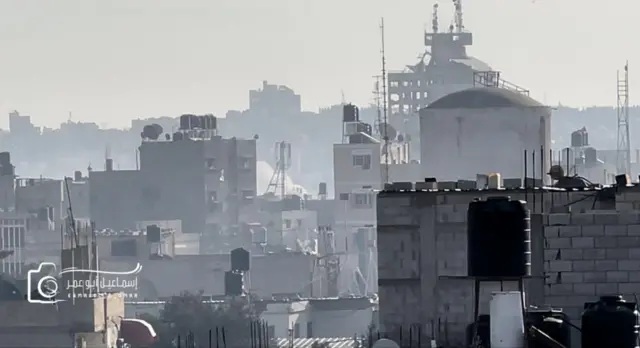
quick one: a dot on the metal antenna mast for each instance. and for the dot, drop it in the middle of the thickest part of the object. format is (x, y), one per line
(385, 173)
(623, 155)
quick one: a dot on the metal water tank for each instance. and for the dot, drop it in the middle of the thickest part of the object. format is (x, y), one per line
(610, 322)
(553, 322)
(499, 238)
(478, 334)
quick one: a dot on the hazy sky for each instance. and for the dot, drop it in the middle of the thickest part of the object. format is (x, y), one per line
(112, 60)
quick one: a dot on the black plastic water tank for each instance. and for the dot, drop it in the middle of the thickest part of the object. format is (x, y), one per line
(194, 122)
(240, 260)
(553, 322)
(350, 113)
(233, 284)
(5, 158)
(479, 330)
(204, 122)
(213, 121)
(499, 238)
(610, 322)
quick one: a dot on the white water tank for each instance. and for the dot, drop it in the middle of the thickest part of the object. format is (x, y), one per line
(494, 181)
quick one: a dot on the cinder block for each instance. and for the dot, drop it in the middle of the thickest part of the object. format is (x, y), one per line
(624, 206)
(617, 254)
(582, 266)
(593, 231)
(560, 289)
(595, 277)
(629, 288)
(552, 254)
(615, 230)
(628, 217)
(617, 277)
(606, 265)
(606, 218)
(634, 253)
(569, 231)
(605, 242)
(633, 230)
(582, 242)
(571, 277)
(632, 196)
(559, 243)
(559, 219)
(571, 254)
(560, 266)
(594, 254)
(629, 265)
(634, 277)
(584, 289)
(603, 289)
(629, 242)
(582, 219)
(551, 231)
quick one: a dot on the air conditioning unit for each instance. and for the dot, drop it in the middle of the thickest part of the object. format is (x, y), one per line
(351, 128)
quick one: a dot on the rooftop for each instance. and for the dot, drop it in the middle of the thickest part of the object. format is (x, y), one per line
(484, 97)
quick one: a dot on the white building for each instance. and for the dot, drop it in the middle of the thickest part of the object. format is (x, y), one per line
(485, 130)
(13, 230)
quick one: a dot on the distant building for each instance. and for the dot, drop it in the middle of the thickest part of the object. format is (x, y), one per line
(204, 182)
(274, 100)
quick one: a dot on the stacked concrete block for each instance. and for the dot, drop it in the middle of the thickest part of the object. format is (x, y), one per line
(589, 255)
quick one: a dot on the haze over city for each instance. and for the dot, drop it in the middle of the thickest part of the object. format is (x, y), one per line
(109, 62)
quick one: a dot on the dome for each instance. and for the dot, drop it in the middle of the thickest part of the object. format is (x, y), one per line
(484, 97)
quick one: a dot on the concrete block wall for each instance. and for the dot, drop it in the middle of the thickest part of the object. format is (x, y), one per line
(591, 254)
(435, 222)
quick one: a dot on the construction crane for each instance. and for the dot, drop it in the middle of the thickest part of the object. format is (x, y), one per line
(623, 153)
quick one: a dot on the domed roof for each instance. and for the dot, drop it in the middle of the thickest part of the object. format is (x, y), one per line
(484, 97)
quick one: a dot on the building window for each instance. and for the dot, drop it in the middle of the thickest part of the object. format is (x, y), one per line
(213, 196)
(361, 200)
(309, 330)
(287, 223)
(244, 163)
(299, 222)
(362, 161)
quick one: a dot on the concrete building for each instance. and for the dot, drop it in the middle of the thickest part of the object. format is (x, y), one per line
(87, 322)
(300, 318)
(584, 245)
(205, 183)
(274, 100)
(484, 130)
(275, 274)
(13, 231)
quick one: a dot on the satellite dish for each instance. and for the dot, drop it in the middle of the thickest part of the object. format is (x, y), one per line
(388, 130)
(385, 343)
(256, 137)
(400, 138)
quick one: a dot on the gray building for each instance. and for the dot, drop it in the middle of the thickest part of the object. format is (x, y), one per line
(585, 244)
(202, 182)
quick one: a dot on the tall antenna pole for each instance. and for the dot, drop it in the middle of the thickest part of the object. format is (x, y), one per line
(385, 172)
(623, 155)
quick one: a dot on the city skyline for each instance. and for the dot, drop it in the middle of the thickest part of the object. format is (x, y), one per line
(112, 62)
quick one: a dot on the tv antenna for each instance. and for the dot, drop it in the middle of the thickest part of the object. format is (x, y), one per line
(385, 137)
(623, 153)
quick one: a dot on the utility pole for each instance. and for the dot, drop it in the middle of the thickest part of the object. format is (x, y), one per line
(385, 137)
